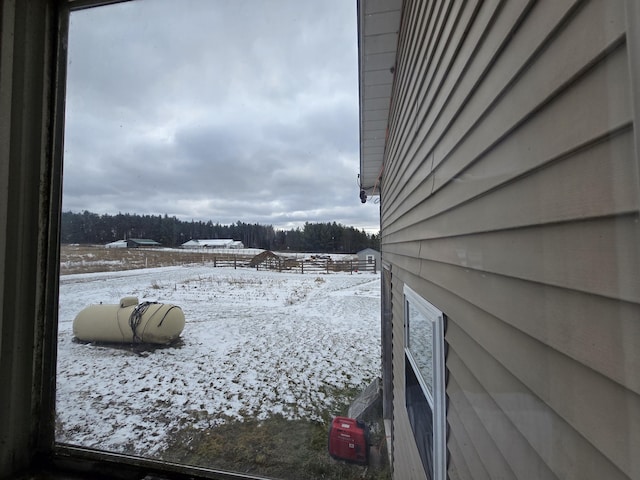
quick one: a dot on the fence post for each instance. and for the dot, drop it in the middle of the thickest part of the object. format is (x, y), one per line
(327, 265)
(215, 263)
(350, 267)
(301, 266)
(234, 262)
(375, 270)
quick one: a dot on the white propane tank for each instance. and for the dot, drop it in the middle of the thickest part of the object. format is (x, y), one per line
(129, 322)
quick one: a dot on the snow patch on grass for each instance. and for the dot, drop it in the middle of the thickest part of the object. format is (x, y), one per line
(256, 344)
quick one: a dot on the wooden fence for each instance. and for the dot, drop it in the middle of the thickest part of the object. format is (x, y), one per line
(317, 266)
(283, 264)
(229, 260)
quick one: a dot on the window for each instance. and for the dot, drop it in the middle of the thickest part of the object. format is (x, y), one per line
(425, 380)
(177, 149)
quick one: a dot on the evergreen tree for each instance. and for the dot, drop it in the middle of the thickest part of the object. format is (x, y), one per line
(90, 228)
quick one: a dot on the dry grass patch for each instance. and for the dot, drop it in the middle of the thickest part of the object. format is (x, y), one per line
(275, 447)
(97, 258)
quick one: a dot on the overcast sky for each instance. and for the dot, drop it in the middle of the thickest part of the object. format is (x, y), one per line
(217, 110)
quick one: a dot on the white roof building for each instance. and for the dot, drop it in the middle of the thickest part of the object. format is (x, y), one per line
(117, 244)
(213, 243)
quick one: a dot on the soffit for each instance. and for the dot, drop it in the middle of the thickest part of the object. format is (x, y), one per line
(378, 26)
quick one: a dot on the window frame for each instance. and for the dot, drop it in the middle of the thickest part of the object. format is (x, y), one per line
(437, 400)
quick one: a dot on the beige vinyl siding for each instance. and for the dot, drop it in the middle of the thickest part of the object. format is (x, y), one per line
(493, 460)
(516, 107)
(554, 445)
(464, 462)
(510, 200)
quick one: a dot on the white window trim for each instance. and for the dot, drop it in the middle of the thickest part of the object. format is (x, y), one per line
(438, 400)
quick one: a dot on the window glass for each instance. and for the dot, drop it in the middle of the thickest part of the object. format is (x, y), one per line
(189, 112)
(425, 381)
(420, 413)
(420, 343)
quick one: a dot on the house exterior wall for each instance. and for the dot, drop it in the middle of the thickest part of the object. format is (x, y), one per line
(510, 201)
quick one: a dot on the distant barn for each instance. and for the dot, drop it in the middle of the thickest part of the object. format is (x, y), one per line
(141, 242)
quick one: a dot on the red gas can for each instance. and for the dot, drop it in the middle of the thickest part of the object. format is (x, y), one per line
(349, 440)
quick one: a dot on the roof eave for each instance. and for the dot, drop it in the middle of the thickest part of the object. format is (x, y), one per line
(378, 27)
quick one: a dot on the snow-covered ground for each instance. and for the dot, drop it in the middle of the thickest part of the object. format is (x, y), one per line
(255, 343)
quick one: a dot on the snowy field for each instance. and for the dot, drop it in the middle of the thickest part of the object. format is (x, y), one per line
(255, 344)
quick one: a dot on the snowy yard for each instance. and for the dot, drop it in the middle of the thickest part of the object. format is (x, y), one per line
(255, 344)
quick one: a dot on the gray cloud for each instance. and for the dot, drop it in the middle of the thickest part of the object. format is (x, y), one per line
(218, 110)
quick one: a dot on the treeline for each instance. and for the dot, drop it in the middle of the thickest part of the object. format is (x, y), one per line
(91, 228)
